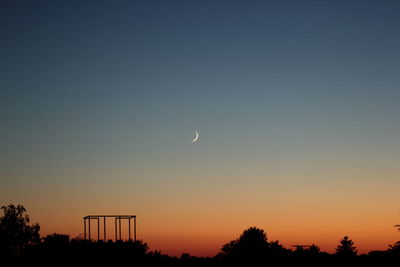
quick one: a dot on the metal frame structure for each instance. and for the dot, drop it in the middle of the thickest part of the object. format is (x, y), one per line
(117, 222)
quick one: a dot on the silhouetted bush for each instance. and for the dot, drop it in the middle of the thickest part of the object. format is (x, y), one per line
(394, 249)
(56, 240)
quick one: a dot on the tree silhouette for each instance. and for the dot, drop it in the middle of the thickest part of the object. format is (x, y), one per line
(346, 247)
(253, 241)
(314, 249)
(228, 249)
(15, 231)
(252, 247)
(395, 248)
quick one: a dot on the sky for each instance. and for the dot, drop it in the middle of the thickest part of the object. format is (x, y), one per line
(295, 102)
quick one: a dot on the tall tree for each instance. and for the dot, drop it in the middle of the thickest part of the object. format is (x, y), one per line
(346, 247)
(253, 247)
(252, 243)
(15, 231)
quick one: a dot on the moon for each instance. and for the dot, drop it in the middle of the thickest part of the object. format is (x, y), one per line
(196, 138)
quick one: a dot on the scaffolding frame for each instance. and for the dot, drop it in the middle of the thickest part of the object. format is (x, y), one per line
(118, 227)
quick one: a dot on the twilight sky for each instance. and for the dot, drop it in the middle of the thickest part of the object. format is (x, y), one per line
(296, 104)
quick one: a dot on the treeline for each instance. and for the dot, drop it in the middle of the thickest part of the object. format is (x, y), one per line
(20, 243)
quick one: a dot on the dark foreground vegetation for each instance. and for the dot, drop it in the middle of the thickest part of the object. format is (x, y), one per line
(20, 243)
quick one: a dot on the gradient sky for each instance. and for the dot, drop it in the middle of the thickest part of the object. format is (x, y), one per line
(296, 104)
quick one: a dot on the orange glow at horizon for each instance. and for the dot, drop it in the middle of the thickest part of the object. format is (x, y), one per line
(204, 242)
(205, 233)
(199, 215)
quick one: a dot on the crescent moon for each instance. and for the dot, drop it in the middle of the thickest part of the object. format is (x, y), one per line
(196, 138)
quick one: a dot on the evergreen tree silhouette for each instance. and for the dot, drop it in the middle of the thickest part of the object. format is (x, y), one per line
(346, 247)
